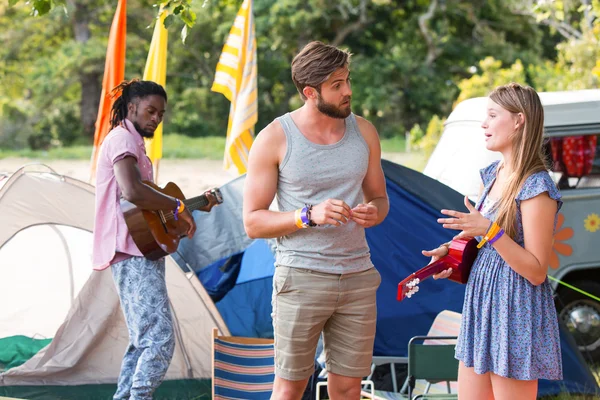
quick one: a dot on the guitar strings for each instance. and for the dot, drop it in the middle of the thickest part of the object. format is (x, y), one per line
(195, 204)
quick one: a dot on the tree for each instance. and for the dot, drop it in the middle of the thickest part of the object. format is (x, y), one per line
(492, 75)
(181, 9)
(400, 78)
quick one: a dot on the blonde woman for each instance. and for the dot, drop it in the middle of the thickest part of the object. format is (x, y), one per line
(509, 335)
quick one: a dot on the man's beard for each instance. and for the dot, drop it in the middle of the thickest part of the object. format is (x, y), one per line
(331, 110)
(143, 132)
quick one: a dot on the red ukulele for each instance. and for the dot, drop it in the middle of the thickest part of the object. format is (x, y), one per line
(155, 233)
(460, 258)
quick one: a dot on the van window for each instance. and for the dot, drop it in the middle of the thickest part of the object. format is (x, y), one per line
(575, 161)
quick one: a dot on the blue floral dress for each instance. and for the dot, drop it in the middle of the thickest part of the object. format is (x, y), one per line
(509, 326)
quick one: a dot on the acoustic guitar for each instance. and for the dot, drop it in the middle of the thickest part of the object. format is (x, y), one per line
(157, 233)
(460, 258)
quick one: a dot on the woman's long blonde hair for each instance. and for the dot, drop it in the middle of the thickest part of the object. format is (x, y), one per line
(527, 141)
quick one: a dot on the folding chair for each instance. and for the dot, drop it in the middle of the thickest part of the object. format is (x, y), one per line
(368, 389)
(433, 359)
(393, 362)
(432, 362)
(242, 368)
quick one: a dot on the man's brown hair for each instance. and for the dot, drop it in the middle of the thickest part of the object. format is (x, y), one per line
(315, 63)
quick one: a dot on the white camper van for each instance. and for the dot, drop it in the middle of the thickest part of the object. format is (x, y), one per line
(572, 130)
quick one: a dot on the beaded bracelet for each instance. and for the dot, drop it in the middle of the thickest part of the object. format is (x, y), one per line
(309, 207)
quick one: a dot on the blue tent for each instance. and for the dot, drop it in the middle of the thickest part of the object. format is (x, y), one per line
(237, 271)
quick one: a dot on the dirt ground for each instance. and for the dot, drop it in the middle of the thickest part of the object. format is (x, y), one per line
(192, 176)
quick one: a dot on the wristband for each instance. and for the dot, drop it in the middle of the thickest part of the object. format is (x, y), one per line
(298, 219)
(492, 231)
(177, 207)
(304, 217)
(498, 236)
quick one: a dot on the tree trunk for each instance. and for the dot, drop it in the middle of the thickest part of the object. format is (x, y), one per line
(433, 52)
(90, 77)
(91, 88)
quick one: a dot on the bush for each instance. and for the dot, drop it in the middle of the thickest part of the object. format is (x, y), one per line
(414, 137)
(197, 112)
(432, 136)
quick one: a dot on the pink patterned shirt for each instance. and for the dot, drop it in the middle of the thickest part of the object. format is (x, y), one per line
(112, 241)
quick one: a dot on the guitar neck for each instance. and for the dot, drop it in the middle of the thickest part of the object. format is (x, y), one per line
(431, 269)
(196, 203)
(461, 255)
(409, 286)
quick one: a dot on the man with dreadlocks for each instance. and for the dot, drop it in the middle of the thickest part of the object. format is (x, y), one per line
(122, 168)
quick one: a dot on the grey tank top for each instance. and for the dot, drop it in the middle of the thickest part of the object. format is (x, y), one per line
(311, 173)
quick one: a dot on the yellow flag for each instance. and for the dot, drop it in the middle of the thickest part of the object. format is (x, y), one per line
(236, 79)
(156, 70)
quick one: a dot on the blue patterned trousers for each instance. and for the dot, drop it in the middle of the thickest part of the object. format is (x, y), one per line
(143, 293)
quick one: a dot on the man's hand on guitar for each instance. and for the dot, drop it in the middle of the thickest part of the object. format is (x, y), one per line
(470, 224)
(189, 227)
(212, 201)
(435, 255)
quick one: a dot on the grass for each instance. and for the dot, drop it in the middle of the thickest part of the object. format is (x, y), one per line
(396, 144)
(184, 147)
(174, 147)
(60, 153)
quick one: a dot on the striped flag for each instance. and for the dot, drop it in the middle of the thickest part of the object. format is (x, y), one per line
(114, 73)
(156, 70)
(236, 79)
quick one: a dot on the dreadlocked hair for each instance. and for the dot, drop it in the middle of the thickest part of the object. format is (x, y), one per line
(131, 92)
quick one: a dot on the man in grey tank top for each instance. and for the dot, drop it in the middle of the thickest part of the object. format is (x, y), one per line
(323, 165)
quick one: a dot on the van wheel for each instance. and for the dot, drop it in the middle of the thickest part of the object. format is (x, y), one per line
(581, 316)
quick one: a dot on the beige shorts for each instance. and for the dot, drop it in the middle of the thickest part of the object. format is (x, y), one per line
(343, 307)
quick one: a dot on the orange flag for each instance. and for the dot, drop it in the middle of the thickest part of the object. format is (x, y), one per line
(114, 74)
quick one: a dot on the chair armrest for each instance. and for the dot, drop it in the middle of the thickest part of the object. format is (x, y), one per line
(422, 338)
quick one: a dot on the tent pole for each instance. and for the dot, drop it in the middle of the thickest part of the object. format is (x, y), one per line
(177, 330)
(69, 260)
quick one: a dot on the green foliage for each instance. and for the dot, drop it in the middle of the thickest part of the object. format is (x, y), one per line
(53, 153)
(14, 129)
(492, 75)
(404, 73)
(179, 146)
(577, 67)
(397, 144)
(178, 9)
(414, 136)
(432, 135)
(185, 118)
(175, 147)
